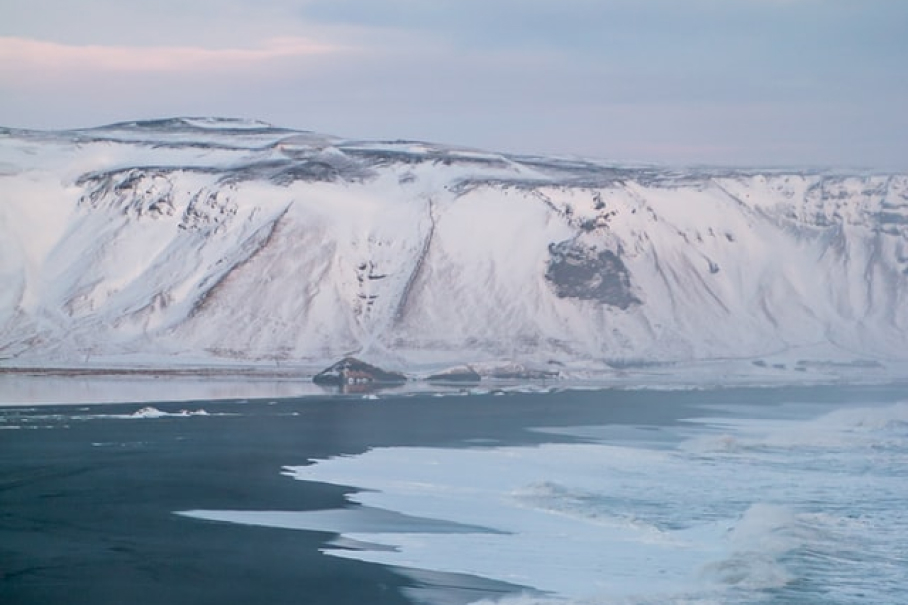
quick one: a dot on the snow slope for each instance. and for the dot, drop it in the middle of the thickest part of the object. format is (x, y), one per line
(217, 240)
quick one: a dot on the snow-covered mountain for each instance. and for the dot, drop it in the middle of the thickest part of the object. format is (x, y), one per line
(212, 240)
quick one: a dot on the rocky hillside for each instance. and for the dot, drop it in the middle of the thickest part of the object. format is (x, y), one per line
(219, 240)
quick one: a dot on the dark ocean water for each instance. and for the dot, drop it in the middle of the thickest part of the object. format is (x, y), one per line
(784, 495)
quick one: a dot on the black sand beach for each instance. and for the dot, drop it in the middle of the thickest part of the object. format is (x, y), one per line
(87, 503)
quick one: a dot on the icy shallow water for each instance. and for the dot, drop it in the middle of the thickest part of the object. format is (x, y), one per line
(795, 503)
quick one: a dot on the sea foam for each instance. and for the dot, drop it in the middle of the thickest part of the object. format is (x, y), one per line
(728, 510)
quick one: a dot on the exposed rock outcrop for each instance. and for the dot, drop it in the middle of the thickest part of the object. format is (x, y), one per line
(350, 371)
(456, 375)
(578, 271)
(516, 371)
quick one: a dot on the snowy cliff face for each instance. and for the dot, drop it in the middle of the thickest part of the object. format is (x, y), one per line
(226, 240)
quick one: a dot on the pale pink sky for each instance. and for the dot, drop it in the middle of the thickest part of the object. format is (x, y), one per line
(768, 82)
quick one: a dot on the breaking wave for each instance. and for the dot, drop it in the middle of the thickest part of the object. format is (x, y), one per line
(552, 497)
(729, 510)
(876, 427)
(153, 412)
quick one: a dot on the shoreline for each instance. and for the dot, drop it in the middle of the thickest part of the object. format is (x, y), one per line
(189, 371)
(44, 386)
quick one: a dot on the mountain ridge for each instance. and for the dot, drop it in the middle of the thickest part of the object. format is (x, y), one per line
(224, 240)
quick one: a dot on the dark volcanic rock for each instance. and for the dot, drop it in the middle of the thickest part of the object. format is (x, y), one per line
(578, 271)
(459, 375)
(518, 372)
(351, 371)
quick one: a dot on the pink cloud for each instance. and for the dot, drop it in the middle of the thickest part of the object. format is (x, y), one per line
(26, 56)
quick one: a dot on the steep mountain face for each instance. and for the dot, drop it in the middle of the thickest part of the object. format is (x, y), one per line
(216, 240)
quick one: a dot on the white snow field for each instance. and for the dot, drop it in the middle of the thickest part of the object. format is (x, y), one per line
(215, 241)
